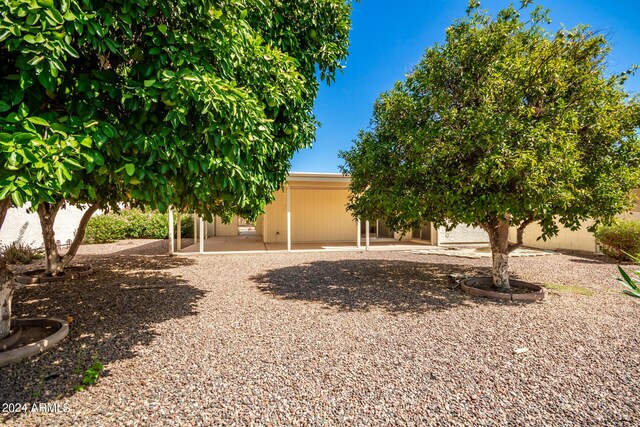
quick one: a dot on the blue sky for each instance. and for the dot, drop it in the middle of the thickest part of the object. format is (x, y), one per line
(390, 36)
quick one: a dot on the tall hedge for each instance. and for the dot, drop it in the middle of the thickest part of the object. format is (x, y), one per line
(132, 224)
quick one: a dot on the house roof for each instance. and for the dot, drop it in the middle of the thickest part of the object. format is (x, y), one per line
(318, 176)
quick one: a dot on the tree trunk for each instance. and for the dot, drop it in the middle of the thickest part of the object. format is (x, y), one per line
(54, 263)
(79, 237)
(6, 281)
(499, 238)
(4, 208)
(47, 214)
(6, 294)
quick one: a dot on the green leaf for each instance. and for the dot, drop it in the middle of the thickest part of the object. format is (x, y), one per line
(47, 80)
(149, 83)
(5, 191)
(4, 107)
(130, 168)
(36, 59)
(16, 197)
(162, 28)
(109, 130)
(98, 158)
(38, 121)
(54, 15)
(84, 83)
(72, 163)
(71, 51)
(113, 46)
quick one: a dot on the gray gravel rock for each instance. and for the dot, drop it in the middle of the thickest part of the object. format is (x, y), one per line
(338, 338)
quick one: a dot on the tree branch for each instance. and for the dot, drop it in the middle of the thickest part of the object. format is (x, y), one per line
(520, 233)
(79, 237)
(4, 208)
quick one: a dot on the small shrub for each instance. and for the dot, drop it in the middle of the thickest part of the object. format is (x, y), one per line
(91, 375)
(20, 253)
(131, 224)
(105, 229)
(620, 241)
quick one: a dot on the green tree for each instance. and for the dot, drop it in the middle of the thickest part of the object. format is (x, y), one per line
(501, 126)
(196, 104)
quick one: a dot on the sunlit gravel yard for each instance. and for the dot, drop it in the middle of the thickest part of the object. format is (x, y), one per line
(329, 339)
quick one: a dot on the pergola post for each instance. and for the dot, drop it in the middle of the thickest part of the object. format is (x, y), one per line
(359, 236)
(171, 232)
(289, 217)
(179, 240)
(377, 229)
(367, 234)
(195, 228)
(201, 235)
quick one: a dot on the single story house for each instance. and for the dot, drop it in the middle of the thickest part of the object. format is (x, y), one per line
(312, 209)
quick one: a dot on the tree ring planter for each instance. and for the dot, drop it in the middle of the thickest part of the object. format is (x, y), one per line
(37, 276)
(538, 292)
(37, 335)
(13, 338)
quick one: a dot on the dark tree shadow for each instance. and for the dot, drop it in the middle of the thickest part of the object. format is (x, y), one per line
(114, 312)
(394, 286)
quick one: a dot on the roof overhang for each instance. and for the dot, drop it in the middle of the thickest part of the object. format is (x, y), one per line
(318, 177)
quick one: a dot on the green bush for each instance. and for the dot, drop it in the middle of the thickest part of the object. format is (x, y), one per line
(621, 240)
(105, 228)
(19, 253)
(131, 224)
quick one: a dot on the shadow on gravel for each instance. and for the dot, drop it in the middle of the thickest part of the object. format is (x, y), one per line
(587, 258)
(114, 314)
(395, 286)
(159, 247)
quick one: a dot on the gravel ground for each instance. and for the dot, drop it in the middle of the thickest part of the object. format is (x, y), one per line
(329, 339)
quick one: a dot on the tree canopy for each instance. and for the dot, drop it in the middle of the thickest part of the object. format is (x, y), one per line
(197, 104)
(502, 125)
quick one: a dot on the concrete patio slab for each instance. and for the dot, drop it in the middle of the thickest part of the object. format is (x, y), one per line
(254, 244)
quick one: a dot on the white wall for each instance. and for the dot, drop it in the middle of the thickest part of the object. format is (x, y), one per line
(24, 226)
(462, 234)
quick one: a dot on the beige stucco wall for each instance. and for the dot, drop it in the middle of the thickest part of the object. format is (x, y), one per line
(579, 240)
(259, 225)
(318, 214)
(222, 229)
(274, 227)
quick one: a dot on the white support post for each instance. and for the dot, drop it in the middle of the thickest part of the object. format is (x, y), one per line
(201, 235)
(179, 240)
(434, 236)
(289, 218)
(358, 239)
(171, 232)
(367, 234)
(377, 229)
(195, 228)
